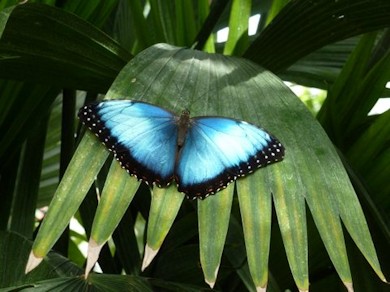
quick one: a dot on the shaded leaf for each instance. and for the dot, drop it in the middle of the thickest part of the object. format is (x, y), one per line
(330, 21)
(60, 59)
(14, 251)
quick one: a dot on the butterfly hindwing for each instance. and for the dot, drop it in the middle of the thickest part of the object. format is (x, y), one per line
(142, 136)
(218, 150)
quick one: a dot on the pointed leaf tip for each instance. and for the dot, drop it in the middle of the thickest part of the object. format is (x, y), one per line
(148, 256)
(93, 255)
(32, 262)
(211, 282)
(349, 286)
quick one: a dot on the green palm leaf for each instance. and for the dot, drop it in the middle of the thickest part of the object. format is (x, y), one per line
(311, 172)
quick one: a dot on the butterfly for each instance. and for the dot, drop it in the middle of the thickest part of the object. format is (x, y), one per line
(201, 154)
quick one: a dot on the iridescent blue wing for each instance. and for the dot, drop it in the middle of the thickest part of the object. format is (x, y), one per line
(142, 136)
(218, 150)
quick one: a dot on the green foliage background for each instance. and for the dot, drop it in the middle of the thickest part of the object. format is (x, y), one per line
(307, 225)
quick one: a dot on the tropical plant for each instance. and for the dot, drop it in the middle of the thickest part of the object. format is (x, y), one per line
(296, 222)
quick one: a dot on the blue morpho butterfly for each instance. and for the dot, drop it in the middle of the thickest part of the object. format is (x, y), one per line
(202, 154)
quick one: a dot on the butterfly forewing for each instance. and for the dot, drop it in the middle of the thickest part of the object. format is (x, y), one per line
(219, 150)
(142, 136)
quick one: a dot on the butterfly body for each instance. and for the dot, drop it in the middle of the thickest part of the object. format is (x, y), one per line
(202, 154)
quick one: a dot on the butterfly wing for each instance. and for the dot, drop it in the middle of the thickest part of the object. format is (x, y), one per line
(219, 150)
(142, 136)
